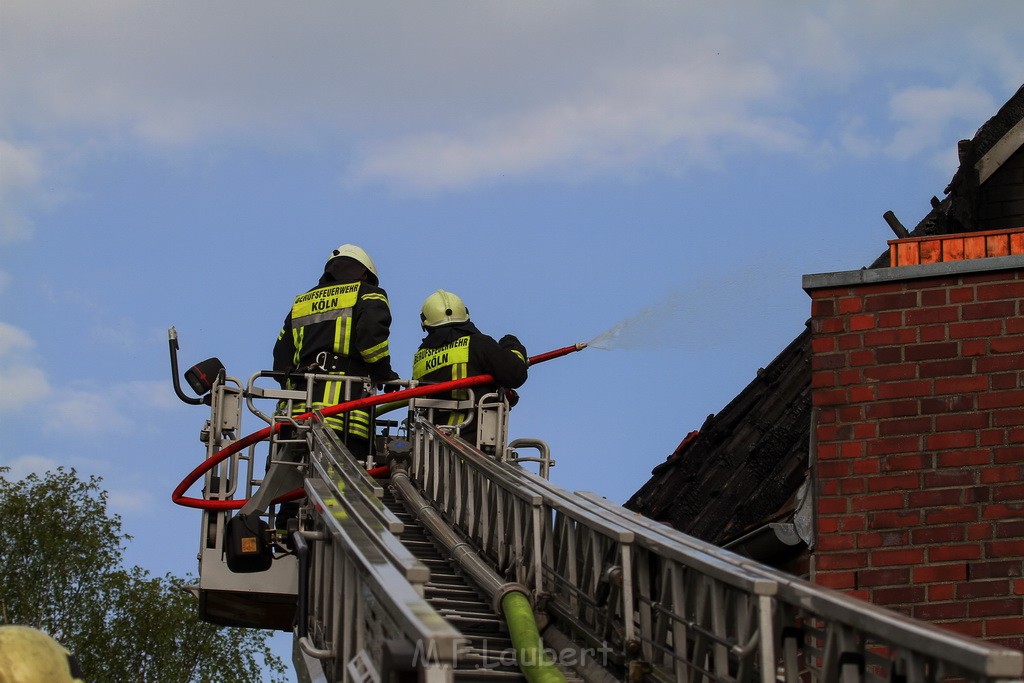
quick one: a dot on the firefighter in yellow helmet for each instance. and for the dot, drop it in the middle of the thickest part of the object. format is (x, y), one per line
(341, 326)
(28, 655)
(454, 348)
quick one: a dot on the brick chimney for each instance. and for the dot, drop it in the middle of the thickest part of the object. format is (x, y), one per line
(918, 394)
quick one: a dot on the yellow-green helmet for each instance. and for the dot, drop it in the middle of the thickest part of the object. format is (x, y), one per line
(356, 253)
(442, 308)
(28, 655)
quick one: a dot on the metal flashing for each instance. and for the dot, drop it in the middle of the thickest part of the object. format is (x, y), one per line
(866, 276)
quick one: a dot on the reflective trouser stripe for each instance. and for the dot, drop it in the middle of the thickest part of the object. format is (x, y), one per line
(358, 420)
(358, 423)
(459, 371)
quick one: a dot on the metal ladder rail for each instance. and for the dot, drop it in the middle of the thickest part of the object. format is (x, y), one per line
(335, 464)
(877, 643)
(578, 550)
(502, 519)
(690, 607)
(365, 588)
(488, 484)
(580, 553)
(729, 607)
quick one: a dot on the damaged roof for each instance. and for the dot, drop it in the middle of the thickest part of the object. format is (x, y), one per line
(744, 468)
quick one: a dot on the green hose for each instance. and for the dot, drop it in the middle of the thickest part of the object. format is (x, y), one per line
(388, 407)
(534, 661)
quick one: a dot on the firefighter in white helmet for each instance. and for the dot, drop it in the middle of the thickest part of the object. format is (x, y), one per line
(454, 348)
(341, 326)
(28, 655)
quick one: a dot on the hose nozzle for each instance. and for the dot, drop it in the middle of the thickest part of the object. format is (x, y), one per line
(557, 353)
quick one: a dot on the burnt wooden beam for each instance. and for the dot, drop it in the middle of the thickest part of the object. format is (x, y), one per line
(894, 223)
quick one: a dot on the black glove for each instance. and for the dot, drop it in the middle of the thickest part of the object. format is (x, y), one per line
(512, 397)
(512, 343)
(387, 388)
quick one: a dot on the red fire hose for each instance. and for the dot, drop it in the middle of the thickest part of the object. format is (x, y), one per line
(178, 495)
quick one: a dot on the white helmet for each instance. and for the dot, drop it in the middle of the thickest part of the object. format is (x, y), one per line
(441, 308)
(356, 253)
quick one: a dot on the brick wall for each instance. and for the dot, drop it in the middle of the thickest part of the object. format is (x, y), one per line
(918, 387)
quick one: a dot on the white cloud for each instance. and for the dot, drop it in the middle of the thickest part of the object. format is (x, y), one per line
(855, 139)
(21, 383)
(20, 173)
(23, 386)
(119, 501)
(83, 412)
(119, 406)
(124, 407)
(25, 465)
(924, 122)
(133, 501)
(145, 395)
(448, 94)
(13, 339)
(926, 117)
(20, 167)
(120, 333)
(675, 117)
(1006, 56)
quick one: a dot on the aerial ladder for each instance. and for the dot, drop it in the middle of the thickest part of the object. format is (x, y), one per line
(439, 560)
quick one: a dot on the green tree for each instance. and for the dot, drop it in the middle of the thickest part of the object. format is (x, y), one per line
(61, 570)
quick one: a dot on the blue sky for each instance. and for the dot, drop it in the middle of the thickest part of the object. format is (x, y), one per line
(564, 167)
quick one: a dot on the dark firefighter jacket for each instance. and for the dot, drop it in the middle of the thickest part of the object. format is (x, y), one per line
(460, 350)
(351, 320)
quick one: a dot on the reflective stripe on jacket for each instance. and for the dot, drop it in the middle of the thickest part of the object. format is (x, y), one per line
(349, 319)
(457, 351)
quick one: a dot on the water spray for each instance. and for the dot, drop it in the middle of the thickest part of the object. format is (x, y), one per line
(178, 495)
(678, 319)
